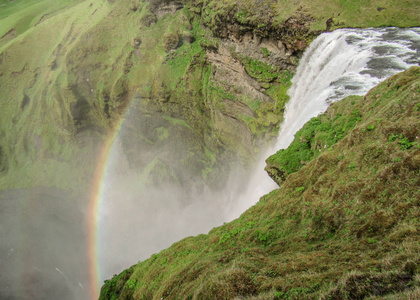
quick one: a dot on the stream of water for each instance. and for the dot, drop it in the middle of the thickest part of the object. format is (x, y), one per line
(337, 64)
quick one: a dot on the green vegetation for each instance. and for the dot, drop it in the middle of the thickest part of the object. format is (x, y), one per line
(22, 15)
(317, 15)
(316, 136)
(343, 226)
(36, 128)
(69, 75)
(261, 71)
(71, 69)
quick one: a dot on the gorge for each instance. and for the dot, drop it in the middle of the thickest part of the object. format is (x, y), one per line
(336, 65)
(113, 147)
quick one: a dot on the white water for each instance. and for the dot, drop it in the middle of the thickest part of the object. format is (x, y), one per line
(337, 64)
(45, 226)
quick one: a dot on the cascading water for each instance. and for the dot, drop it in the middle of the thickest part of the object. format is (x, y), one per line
(342, 63)
(337, 64)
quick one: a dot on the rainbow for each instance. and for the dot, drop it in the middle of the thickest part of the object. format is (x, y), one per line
(95, 207)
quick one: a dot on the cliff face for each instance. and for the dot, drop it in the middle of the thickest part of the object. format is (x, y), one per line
(73, 72)
(207, 78)
(333, 230)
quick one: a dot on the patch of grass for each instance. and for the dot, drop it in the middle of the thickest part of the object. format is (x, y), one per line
(316, 136)
(259, 70)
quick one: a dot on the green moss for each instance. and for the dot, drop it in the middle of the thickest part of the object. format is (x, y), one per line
(209, 163)
(276, 83)
(316, 136)
(175, 121)
(259, 70)
(162, 132)
(314, 15)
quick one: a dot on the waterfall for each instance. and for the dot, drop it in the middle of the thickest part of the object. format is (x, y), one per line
(342, 63)
(336, 64)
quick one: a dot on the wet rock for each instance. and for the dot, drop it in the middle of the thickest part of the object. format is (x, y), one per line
(278, 175)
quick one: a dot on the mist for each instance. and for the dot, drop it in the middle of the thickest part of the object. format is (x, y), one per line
(44, 231)
(138, 220)
(43, 246)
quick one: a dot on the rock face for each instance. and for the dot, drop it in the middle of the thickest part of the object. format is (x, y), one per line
(276, 173)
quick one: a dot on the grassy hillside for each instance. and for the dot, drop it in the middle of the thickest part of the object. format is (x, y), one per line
(343, 225)
(315, 15)
(69, 69)
(36, 128)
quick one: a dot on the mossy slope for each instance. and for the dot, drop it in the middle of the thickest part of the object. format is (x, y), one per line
(343, 226)
(317, 135)
(69, 69)
(73, 70)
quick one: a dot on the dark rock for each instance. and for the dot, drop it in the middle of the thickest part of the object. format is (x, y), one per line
(171, 41)
(278, 175)
(25, 101)
(149, 20)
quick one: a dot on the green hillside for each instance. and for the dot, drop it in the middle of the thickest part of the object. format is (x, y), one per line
(206, 82)
(344, 225)
(212, 74)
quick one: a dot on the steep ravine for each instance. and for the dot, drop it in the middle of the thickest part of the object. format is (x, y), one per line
(194, 90)
(167, 66)
(343, 226)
